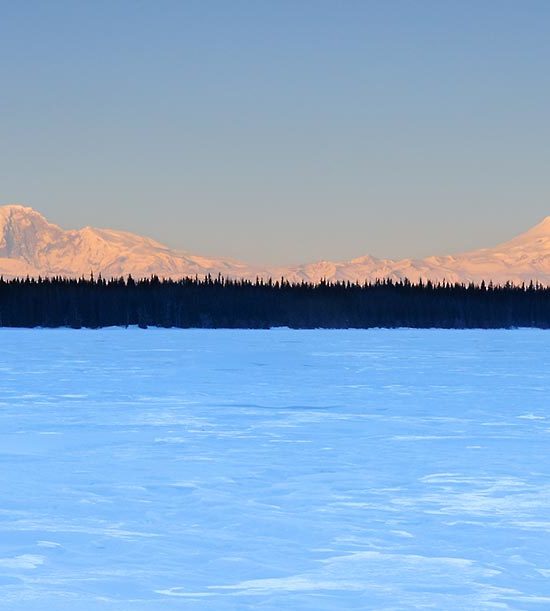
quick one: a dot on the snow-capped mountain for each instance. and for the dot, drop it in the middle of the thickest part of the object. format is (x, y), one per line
(522, 259)
(30, 245)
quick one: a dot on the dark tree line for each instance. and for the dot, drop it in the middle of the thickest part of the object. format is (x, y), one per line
(219, 302)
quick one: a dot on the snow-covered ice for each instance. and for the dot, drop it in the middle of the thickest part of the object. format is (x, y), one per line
(213, 469)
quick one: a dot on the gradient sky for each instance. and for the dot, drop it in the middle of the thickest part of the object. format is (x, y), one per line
(280, 131)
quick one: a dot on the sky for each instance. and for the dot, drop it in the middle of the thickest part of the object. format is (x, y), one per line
(280, 131)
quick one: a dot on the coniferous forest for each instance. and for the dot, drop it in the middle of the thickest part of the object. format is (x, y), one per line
(223, 303)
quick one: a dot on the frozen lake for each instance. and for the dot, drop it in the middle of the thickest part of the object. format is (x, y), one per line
(198, 469)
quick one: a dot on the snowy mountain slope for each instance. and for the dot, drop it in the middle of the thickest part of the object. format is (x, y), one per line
(524, 258)
(30, 245)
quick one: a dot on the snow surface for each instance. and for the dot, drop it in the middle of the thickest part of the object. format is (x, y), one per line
(198, 469)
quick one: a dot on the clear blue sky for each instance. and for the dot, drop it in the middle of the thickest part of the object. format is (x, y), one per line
(280, 131)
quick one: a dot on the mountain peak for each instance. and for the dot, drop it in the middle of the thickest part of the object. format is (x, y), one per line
(18, 214)
(543, 224)
(15, 208)
(23, 232)
(537, 234)
(542, 227)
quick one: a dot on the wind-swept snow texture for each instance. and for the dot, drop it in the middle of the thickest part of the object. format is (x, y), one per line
(197, 469)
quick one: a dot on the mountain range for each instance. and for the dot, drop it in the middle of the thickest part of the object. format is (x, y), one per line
(30, 245)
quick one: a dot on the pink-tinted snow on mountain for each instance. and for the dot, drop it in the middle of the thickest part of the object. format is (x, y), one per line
(30, 245)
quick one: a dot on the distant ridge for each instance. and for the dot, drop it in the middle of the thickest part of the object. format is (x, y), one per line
(30, 245)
